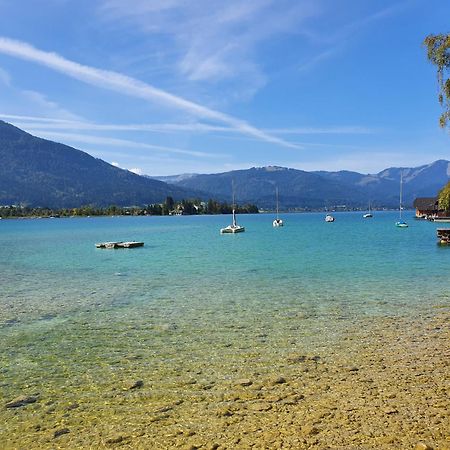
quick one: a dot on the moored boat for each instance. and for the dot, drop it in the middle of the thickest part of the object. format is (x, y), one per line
(277, 222)
(368, 215)
(401, 223)
(234, 227)
(443, 235)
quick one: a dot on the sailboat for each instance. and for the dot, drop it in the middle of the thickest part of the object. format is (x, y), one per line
(277, 222)
(369, 214)
(401, 223)
(234, 227)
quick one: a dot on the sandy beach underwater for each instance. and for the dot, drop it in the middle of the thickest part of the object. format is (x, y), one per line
(386, 386)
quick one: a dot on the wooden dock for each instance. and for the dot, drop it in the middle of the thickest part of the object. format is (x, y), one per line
(443, 235)
(129, 244)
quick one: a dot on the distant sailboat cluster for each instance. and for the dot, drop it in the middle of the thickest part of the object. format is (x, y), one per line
(278, 222)
(235, 228)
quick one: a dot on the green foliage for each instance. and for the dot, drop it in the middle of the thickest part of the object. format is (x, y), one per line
(444, 198)
(438, 49)
(184, 207)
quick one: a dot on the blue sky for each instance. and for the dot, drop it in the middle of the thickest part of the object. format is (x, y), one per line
(176, 86)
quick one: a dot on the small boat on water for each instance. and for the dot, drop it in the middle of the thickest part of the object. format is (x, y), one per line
(329, 218)
(234, 227)
(368, 215)
(443, 235)
(120, 244)
(277, 222)
(401, 223)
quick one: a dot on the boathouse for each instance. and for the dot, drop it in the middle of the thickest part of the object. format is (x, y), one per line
(426, 207)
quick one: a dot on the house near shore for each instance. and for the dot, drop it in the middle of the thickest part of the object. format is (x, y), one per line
(427, 207)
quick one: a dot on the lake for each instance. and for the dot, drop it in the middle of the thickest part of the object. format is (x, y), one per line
(189, 313)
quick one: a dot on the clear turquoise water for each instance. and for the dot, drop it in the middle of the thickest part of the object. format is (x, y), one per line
(359, 266)
(75, 319)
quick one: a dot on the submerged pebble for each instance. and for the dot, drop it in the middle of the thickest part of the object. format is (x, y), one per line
(135, 385)
(60, 432)
(22, 400)
(244, 382)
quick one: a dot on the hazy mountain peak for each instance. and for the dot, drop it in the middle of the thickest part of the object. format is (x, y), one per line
(274, 168)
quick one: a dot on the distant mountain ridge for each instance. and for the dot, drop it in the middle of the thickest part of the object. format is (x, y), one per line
(321, 189)
(38, 172)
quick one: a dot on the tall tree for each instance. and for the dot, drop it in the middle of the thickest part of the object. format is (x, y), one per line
(444, 198)
(438, 47)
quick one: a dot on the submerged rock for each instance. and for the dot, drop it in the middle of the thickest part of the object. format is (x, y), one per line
(310, 430)
(278, 380)
(423, 446)
(296, 358)
(136, 385)
(60, 432)
(117, 439)
(244, 382)
(22, 400)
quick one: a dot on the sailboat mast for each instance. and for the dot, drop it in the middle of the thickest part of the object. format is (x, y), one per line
(276, 190)
(401, 193)
(233, 206)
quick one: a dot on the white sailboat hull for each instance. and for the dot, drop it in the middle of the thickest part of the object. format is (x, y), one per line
(232, 229)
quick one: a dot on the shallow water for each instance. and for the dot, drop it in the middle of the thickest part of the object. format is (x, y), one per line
(78, 324)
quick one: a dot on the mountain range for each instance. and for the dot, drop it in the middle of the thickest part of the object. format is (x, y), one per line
(300, 189)
(39, 172)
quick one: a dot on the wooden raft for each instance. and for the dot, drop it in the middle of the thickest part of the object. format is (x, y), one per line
(130, 244)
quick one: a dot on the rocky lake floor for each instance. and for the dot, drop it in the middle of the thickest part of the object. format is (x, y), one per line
(384, 384)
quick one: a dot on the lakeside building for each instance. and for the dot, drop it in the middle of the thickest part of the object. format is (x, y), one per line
(428, 207)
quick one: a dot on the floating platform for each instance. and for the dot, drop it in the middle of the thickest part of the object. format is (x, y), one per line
(443, 235)
(130, 244)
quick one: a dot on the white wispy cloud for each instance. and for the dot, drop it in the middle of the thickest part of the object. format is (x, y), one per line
(215, 40)
(46, 120)
(345, 34)
(113, 142)
(123, 84)
(47, 105)
(334, 129)
(35, 100)
(192, 127)
(5, 78)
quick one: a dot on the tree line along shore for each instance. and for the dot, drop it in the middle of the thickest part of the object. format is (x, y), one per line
(168, 208)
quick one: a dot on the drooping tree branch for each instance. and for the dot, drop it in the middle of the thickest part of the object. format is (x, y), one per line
(438, 49)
